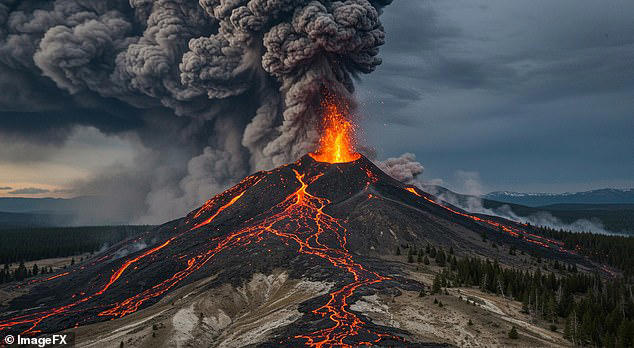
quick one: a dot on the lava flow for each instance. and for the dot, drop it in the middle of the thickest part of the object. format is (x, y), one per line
(300, 219)
(513, 231)
(305, 205)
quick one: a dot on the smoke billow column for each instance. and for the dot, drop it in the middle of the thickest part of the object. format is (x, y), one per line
(241, 78)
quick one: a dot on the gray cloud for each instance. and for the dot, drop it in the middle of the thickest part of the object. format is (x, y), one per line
(6, 188)
(534, 96)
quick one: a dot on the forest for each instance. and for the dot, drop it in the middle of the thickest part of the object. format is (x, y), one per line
(27, 244)
(589, 309)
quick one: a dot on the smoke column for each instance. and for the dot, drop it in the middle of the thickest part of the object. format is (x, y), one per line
(209, 90)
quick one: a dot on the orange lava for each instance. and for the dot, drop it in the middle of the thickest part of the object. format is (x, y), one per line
(301, 221)
(336, 144)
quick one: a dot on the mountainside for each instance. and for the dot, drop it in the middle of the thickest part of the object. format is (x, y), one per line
(285, 257)
(608, 218)
(602, 196)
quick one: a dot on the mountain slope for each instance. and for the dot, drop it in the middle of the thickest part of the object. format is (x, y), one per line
(325, 228)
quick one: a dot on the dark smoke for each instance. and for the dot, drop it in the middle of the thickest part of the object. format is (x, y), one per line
(209, 90)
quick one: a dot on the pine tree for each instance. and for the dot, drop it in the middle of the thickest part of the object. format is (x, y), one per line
(21, 272)
(435, 289)
(35, 269)
(426, 260)
(398, 251)
(513, 333)
(440, 258)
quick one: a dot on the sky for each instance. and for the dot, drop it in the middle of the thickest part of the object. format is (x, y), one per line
(514, 95)
(526, 95)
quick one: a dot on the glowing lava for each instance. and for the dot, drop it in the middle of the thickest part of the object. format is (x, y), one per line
(336, 144)
(300, 218)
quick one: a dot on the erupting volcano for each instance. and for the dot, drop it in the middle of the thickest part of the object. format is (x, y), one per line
(325, 222)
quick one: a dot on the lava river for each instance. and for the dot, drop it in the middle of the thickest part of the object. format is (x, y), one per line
(300, 219)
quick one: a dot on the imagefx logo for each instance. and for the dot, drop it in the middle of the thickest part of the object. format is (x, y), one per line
(9, 339)
(57, 340)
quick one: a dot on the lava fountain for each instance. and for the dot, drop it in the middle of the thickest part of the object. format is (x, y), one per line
(336, 144)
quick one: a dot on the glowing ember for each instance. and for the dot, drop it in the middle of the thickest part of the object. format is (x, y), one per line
(336, 144)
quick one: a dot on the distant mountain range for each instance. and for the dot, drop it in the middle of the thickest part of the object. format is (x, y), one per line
(45, 205)
(49, 212)
(601, 196)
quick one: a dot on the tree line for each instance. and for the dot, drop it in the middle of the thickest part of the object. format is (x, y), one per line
(27, 244)
(614, 250)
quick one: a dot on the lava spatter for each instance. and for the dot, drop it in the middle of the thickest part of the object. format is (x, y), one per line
(337, 142)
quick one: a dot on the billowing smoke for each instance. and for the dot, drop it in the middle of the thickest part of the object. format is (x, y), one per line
(404, 168)
(208, 90)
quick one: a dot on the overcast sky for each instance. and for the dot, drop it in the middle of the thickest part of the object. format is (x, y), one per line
(528, 96)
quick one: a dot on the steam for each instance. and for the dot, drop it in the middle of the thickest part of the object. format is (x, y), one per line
(408, 170)
(473, 204)
(129, 249)
(233, 86)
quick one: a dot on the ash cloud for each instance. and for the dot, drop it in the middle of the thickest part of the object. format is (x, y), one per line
(404, 168)
(208, 91)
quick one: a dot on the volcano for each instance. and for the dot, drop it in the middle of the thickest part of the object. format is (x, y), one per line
(279, 259)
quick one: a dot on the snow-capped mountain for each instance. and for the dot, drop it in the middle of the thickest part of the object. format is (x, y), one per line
(601, 196)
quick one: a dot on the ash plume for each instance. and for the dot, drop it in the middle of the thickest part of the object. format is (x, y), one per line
(230, 85)
(404, 168)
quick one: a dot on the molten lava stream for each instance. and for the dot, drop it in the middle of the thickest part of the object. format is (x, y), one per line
(513, 231)
(35, 319)
(307, 211)
(304, 212)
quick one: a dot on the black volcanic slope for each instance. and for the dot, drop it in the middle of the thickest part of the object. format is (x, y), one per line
(319, 221)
